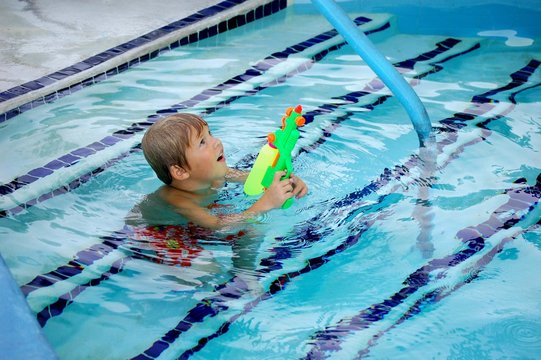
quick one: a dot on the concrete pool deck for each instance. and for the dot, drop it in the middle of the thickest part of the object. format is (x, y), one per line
(39, 38)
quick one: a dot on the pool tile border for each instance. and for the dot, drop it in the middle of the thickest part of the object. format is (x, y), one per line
(66, 82)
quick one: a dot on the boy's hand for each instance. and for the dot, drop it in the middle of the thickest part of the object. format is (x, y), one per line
(280, 191)
(299, 187)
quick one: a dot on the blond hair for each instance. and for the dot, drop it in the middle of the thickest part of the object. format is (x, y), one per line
(165, 143)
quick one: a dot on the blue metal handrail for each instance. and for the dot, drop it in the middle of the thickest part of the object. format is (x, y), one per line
(379, 64)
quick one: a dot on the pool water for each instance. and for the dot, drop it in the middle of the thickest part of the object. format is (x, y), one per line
(396, 252)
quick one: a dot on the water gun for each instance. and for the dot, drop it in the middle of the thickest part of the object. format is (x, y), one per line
(276, 155)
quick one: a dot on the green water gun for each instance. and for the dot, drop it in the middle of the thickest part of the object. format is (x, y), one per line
(276, 155)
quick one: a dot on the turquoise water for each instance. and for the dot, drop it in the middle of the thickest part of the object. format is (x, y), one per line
(378, 260)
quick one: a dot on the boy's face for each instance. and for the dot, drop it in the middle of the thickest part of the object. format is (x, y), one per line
(206, 157)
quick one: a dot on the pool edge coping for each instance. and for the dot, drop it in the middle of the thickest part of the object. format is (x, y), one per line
(33, 94)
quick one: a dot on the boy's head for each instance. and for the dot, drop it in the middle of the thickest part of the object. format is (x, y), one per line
(166, 141)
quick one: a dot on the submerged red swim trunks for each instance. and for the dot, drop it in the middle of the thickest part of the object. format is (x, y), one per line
(172, 244)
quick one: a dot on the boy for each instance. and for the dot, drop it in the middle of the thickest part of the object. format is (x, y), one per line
(191, 162)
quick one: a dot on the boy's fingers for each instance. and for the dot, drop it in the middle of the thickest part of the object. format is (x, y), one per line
(278, 175)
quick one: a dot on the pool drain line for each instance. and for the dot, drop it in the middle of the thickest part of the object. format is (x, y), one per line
(379, 64)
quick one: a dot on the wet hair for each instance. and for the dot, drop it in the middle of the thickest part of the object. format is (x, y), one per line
(166, 141)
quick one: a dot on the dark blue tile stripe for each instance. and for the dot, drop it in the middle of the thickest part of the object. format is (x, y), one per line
(229, 24)
(65, 300)
(520, 200)
(439, 294)
(258, 69)
(302, 238)
(76, 266)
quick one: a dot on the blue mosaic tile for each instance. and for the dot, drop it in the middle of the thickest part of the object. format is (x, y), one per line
(83, 152)
(25, 107)
(267, 9)
(59, 75)
(6, 189)
(69, 159)
(193, 38)
(96, 146)
(87, 82)
(12, 113)
(6, 96)
(153, 54)
(232, 23)
(63, 92)
(142, 357)
(94, 60)
(18, 90)
(45, 197)
(99, 77)
(203, 34)
(111, 72)
(213, 10)
(157, 348)
(250, 16)
(171, 336)
(40, 172)
(81, 66)
(75, 87)
(110, 140)
(259, 13)
(32, 85)
(38, 102)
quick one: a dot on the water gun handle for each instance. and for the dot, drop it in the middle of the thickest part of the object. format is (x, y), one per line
(276, 155)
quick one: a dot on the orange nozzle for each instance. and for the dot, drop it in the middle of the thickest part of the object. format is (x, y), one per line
(300, 121)
(288, 111)
(271, 137)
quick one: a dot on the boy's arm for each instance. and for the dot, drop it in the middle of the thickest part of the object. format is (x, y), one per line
(274, 197)
(236, 175)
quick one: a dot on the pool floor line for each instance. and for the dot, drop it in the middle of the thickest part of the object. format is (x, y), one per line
(473, 237)
(61, 275)
(111, 62)
(441, 293)
(76, 155)
(281, 281)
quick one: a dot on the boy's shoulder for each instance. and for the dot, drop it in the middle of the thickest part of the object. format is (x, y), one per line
(154, 209)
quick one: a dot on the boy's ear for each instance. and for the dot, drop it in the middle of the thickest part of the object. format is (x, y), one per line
(178, 173)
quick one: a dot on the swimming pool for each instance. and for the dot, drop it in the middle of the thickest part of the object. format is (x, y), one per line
(396, 252)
